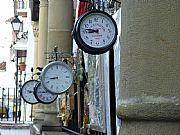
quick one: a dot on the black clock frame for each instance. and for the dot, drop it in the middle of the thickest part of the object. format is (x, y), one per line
(82, 45)
(36, 96)
(32, 92)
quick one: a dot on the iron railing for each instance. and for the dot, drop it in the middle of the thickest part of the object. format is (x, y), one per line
(10, 106)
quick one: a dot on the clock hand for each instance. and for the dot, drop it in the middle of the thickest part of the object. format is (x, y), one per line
(92, 30)
(29, 91)
(54, 77)
(42, 92)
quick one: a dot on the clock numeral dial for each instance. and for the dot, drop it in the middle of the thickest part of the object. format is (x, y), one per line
(95, 32)
(57, 80)
(86, 25)
(95, 19)
(43, 96)
(27, 91)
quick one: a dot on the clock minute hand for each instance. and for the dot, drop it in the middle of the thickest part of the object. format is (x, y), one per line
(54, 77)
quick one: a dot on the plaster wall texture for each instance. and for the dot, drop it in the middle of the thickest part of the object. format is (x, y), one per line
(150, 62)
(149, 128)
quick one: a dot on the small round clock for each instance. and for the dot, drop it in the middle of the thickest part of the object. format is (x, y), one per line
(95, 32)
(27, 91)
(43, 96)
(56, 77)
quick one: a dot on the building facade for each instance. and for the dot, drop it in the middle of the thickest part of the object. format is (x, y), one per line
(131, 89)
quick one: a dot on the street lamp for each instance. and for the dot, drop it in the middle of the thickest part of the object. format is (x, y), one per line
(16, 24)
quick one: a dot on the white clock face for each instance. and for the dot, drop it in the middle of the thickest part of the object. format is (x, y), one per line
(43, 96)
(27, 91)
(56, 77)
(97, 30)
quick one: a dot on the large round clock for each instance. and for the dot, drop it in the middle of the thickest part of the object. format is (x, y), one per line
(56, 77)
(95, 32)
(43, 96)
(27, 91)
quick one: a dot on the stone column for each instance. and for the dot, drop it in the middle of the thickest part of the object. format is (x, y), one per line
(149, 101)
(43, 31)
(42, 43)
(35, 26)
(60, 23)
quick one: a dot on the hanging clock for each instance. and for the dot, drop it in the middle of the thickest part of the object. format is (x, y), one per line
(95, 32)
(56, 77)
(43, 96)
(27, 91)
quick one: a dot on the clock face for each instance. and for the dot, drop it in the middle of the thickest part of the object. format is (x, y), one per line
(27, 91)
(43, 96)
(95, 32)
(56, 77)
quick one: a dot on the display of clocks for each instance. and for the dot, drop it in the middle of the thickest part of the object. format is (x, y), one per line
(27, 91)
(56, 77)
(43, 96)
(95, 32)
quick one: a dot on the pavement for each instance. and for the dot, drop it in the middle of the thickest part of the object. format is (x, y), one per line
(12, 125)
(55, 133)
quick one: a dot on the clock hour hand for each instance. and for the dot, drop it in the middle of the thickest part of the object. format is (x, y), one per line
(30, 91)
(92, 30)
(54, 77)
(42, 92)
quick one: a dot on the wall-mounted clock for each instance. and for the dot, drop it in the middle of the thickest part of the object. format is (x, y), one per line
(95, 32)
(43, 96)
(56, 77)
(27, 91)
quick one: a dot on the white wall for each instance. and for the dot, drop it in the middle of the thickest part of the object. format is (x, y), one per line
(6, 12)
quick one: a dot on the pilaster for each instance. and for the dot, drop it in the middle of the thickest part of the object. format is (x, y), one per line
(35, 26)
(149, 100)
(37, 110)
(43, 31)
(41, 56)
(60, 23)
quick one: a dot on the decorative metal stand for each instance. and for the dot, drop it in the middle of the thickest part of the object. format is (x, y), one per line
(56, 55)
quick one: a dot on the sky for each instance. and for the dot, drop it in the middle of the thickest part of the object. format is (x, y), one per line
(6, 11)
